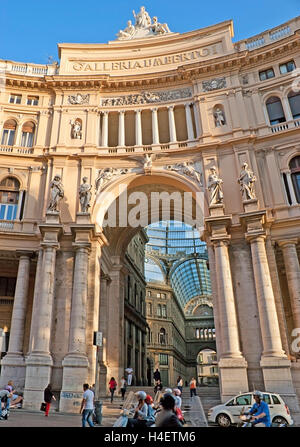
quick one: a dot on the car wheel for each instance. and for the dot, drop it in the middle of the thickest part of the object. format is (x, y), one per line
(223, 420)
(279, 420)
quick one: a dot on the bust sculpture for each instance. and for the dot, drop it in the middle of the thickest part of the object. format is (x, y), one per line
(85, 195)
(214, 186)
(56, 193)
(246, 181)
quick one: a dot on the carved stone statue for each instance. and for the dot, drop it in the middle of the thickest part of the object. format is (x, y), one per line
(219, 118)
(78, 99)
(105, 175)
(246, 181)
(214, 186)
(159, 28)
(128, 32)
(76, 129)
(56, 193)
(142, 18)
(85, 195)
(187, 169)
(148, 161)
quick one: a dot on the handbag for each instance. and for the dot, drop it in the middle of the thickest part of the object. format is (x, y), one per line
(43, 406)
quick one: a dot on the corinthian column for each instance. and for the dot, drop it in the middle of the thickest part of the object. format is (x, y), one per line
(292, 268)
(104, 141)
(121, 140)
(13, 364)
(138, 128)
(172, 126)
(155, 132)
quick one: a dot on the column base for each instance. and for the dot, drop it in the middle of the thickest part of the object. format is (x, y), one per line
(233, 377)
(103, 380)
(13, 368)
(38, 374)
(278, 379)
(75, 372)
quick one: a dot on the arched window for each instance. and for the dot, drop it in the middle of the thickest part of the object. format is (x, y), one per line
(275, 110)
(28, 130)
(9, 198)
(162, 336)
(158, 310)
(294, 101)
(295, 174)
(9, 132)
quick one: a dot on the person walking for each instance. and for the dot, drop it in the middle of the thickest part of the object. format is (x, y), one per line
(123, 387)
(193, 386)
(48, 396)
(112, 388)
(156, 376)
(87, 406)
(180, 383)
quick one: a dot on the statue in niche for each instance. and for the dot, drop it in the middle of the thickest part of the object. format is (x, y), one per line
(214, 186)
(56, 193)
(219, 117)
(142, 18)
(159, 28)
(246, 181)
(85, 195)
(127, 32)
(76, 129)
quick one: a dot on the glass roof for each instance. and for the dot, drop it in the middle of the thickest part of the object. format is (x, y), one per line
(175, 249)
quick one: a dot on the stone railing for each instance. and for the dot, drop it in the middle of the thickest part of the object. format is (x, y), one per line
(6, 225)
(269, 36)
(147, 148)
(17, 150)
(285, 126)
(28, 69)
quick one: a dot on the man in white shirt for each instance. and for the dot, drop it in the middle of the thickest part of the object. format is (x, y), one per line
(87, 406)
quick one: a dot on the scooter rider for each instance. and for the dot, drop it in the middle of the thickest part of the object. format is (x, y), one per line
(260, 411)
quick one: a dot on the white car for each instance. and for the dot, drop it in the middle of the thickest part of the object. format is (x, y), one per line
(229, 413)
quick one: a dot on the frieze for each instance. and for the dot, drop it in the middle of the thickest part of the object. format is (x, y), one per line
(148, 97)
(78, 99)
(213, 84)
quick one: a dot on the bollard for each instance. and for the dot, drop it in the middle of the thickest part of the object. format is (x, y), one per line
(98, 411)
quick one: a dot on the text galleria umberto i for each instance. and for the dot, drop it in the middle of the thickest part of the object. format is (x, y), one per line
(152, 113)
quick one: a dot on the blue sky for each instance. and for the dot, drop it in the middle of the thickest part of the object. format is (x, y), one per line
(31, 29)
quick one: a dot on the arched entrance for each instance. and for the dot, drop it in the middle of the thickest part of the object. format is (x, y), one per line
(207, 368)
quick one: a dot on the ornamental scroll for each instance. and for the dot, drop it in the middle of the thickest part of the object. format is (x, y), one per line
(148, 97)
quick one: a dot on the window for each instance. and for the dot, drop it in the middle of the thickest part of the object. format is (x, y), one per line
(9, 198)
(158, 295)
(137, 335)
(149, 292)
(32, 100)
(267, 399)
(162, 336)
(276, 401)
(163, 359)
(129, 329)
(230, 403)
(244, 400)
(197, 333)
(164, 311)
(15, 99)
(295, 174)
(158, 310)
(287, 67)
(7, 286)
(294, 101)
(266, 74)
(163, 295)
(28, 130)
(8, 134)
(275, 110)
(129, 349)
(149, 309)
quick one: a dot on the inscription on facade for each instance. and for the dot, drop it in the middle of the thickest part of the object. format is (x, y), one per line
(141, 64)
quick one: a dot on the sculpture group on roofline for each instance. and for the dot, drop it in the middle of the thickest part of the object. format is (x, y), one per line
(144, 27)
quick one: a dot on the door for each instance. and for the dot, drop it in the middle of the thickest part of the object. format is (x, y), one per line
(241, 403)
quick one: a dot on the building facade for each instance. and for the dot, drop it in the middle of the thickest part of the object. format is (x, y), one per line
(153, 111)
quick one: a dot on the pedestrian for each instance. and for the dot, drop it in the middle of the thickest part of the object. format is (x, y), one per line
(129, 378)
(112, 388)
(48, 396)
(87, 406)
(156, 376)
(123, 387)
(158, 386)
(166, 417)
(193, 386)
(4, 395)
(180, 383)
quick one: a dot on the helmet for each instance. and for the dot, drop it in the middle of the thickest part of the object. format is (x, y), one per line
(258, 393)
(168, 391)
(149, 399)
(141, 395)
(177, 392)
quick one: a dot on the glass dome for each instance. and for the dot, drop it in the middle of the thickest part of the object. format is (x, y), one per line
(175, 251)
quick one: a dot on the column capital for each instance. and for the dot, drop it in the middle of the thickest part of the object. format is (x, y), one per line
(171, 107)
(220, 242)
(255, 238)
(104, 112)
(287, 242)
(121, 112)
(138, 111)
(188, 104)
(82, 246)
(154, 109)
(25, 253)
(50, 245)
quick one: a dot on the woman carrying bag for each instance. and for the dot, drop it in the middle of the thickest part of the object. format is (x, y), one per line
(48, 396)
